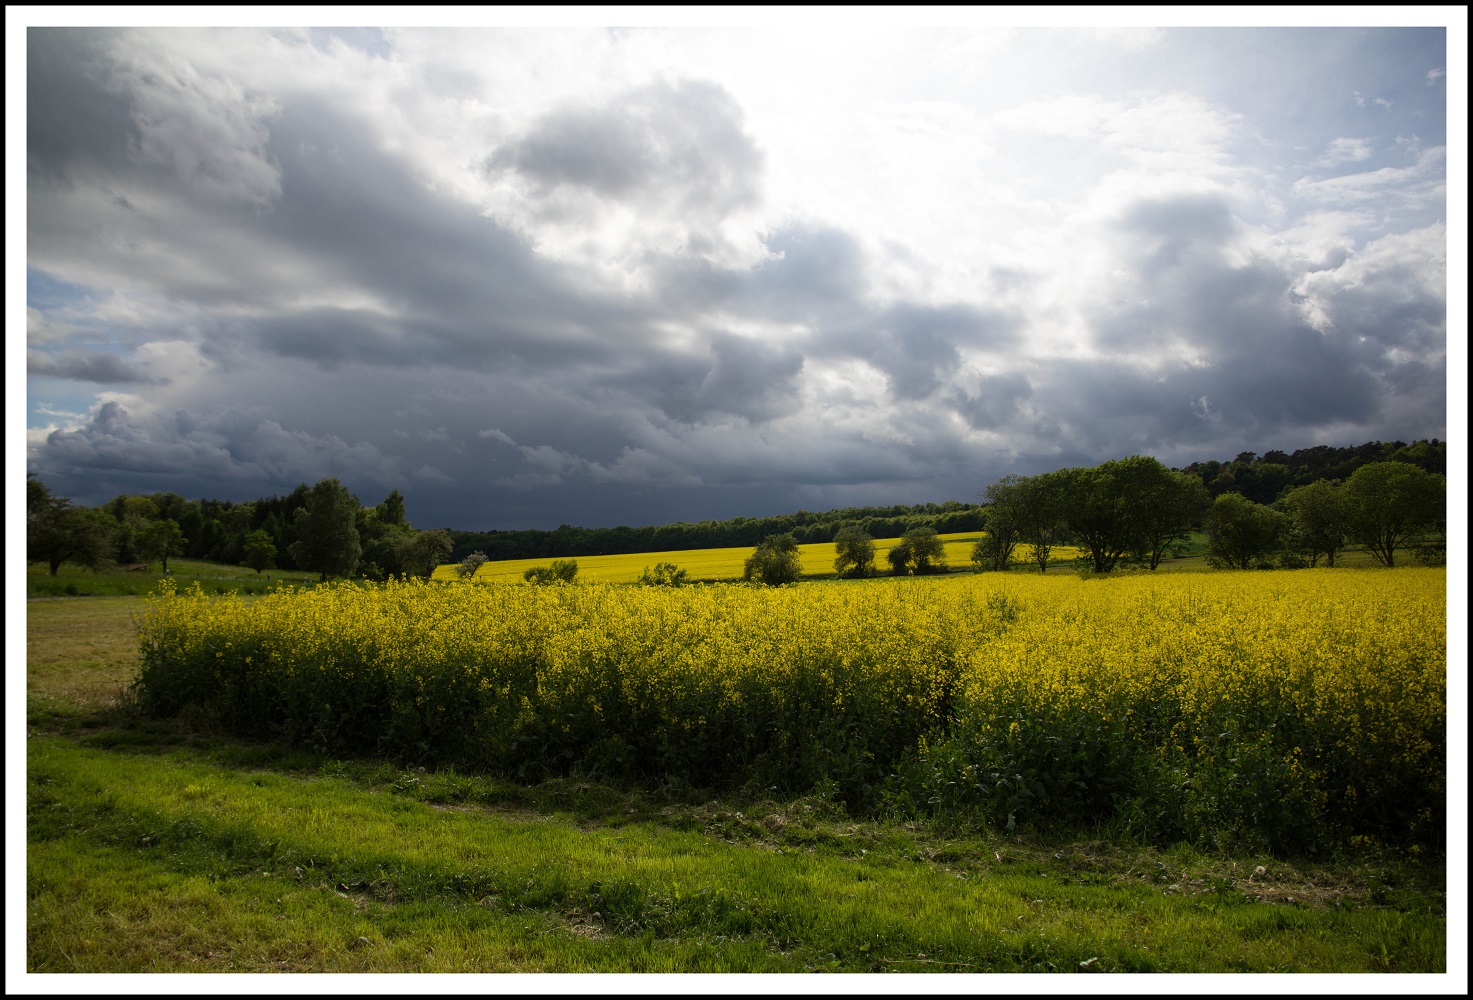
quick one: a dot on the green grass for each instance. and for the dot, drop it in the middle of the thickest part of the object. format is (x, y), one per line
(114, 581)
(165, 846)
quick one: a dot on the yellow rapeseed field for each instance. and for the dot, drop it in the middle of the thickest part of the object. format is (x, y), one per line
(1286, 707)
(817, 559)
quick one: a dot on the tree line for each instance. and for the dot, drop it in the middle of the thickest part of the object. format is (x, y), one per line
(1133, 509)
(322, 529)
(738, 532)
(1263, 478)
(1138, 511)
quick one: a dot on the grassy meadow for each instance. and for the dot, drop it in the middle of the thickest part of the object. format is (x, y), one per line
(115, 581)
(185, 841)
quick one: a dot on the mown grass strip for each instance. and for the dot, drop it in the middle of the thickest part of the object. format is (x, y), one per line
(141, 863)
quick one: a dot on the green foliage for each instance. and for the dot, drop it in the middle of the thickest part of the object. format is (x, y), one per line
(665, 574)
(1240, 533)
(133, 515)
(561, 571)
(987, 555)
(160, 540)
(391, 511)
(58, 532)
(1394, 504)
(927, 553)
(854, 552)
(774, 561)
(258, 551)
(1105, 515)
(1007, 508)
(1318, 520)
(1040, 511)
(326, 531)
(919, 552)
(424, 551)
(1165, 507)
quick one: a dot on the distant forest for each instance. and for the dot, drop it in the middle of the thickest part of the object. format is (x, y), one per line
(805, 526)
(268, 531)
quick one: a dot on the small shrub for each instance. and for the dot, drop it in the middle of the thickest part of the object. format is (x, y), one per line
(774, 562)
(561, 571)
(665, 574)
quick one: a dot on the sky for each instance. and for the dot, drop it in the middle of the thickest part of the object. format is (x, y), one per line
(533, 276)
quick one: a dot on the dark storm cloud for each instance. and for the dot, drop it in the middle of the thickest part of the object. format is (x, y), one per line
(1221, 347)
(333, 337)
(1112, 407)
(679, 144)
(815, 274)
(816, 279)
(1177, 283)
(917, 346)
(995, 403)
(462, 288)
(112, 441)
(473, 285)
(231, 449)
(744, 378)
(99, 367)
(1252, 353)
(302, 291)
(72, 119)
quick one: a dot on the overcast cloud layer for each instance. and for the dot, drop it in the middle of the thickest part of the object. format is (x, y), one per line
(637, 276)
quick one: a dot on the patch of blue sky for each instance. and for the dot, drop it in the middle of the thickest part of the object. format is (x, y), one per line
(57, 401)
(373, 41)
(46, 293)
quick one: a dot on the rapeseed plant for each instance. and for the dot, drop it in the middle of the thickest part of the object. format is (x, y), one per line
(1278, 708)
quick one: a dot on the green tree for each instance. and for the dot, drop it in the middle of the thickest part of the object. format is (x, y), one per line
(1100, 514)
(391, 511)
(927, 551)
(160, 540)
(327, 532)
(1393, 504)
(1240, 533)
(258, 551)
(1038, 506)
(134, 514)
(899, 558)
(855, 552)
(774, 561)
(1318, 519)
(57, 531)
(1003, 505)
(1164, 507)
(423, 553)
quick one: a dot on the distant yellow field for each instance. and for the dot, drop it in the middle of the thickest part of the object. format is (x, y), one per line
(723, 564)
